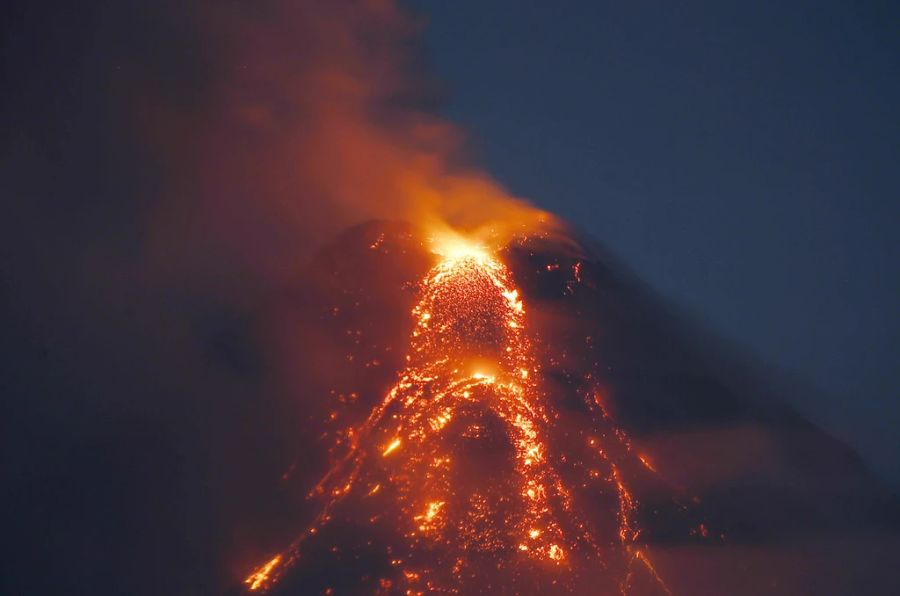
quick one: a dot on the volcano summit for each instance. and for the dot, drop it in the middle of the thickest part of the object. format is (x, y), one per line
(501, 456)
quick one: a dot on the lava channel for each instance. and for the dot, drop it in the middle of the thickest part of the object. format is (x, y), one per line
(460, 460)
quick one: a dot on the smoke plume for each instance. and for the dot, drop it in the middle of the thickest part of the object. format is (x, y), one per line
(309, 117)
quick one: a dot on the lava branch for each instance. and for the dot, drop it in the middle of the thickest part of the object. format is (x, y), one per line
(469, 356)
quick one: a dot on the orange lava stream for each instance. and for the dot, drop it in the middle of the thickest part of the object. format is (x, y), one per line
(262, 578)
(471, 364)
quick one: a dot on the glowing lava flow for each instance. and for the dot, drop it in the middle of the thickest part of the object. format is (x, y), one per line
(472, 378)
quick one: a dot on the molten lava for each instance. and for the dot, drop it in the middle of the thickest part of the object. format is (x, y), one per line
(463, 445)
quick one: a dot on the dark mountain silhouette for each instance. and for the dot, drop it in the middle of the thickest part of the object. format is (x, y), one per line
(745, 496)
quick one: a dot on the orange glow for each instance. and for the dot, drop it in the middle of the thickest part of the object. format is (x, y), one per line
(392, 447)
(646, 463)
(555, 552)
(433, 508)
(262, 577)
(452, 247)
(471, 358)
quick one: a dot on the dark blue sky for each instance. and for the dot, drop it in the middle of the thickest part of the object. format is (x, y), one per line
(741, 157)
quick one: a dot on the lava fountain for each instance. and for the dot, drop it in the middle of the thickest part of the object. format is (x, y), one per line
(460, 453)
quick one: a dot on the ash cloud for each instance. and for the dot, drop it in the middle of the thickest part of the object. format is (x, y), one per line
(311, 117)
(167, 171)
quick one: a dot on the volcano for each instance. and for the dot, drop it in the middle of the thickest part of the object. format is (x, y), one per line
(532, 419)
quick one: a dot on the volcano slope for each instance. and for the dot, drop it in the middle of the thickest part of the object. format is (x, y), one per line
(536, 420)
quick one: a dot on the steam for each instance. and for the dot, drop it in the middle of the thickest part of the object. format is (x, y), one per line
(315, 116)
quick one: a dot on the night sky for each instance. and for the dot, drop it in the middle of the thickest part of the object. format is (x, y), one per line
(741, 157)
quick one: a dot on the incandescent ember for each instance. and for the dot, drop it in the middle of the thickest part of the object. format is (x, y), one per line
(459, 458)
